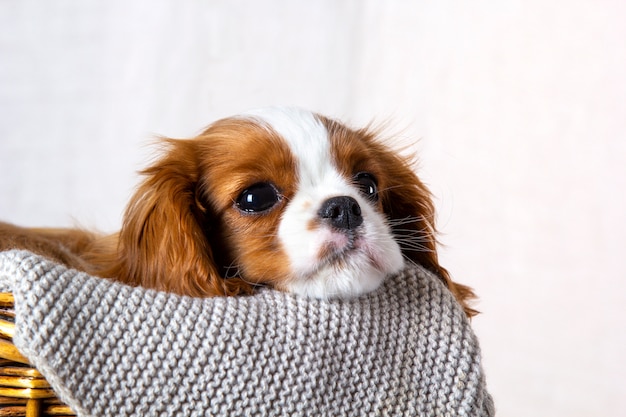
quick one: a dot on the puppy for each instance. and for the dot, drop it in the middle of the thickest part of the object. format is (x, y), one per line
(280, 197)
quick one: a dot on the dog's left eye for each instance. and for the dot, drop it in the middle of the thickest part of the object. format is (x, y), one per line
(367, 184)
(258, 198)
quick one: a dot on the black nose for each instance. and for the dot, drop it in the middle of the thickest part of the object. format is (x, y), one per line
(341, 212)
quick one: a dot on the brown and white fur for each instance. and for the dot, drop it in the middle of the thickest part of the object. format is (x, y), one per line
(279, 197)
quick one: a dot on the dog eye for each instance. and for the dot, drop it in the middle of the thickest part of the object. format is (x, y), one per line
(258, 198)
(367, 184)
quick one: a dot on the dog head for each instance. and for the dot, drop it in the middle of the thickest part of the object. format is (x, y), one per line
(281, 197)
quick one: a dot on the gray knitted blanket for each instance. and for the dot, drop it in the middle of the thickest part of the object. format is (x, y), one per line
(108, 349)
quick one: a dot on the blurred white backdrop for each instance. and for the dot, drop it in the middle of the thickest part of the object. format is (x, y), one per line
(516, 109)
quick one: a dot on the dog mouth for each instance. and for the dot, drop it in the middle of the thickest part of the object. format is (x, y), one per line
(344, 263)
(346, 250)
(331, 255)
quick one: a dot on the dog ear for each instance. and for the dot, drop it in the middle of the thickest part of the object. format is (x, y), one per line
(409, 207)
(163, 243)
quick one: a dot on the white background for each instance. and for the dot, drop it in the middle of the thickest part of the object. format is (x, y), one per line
(517, 110)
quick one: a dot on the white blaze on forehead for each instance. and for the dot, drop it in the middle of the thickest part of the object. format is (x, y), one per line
(306, 136)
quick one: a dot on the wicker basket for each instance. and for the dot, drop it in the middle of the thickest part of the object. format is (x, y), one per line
(23, 390)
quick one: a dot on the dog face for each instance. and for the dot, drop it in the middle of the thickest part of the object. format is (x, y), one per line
(281, 197)
(300, 206)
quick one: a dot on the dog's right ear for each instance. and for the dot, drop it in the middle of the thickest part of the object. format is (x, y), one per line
(163, 242)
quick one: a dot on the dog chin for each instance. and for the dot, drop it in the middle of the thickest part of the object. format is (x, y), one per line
(349, 277)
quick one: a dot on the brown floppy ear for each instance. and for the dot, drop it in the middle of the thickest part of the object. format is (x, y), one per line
(408, 204)
(163, 242)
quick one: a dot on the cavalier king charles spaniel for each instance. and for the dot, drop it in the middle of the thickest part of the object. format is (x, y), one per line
(278, 197)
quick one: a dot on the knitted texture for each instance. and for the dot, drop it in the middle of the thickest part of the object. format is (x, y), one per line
(108, 349)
